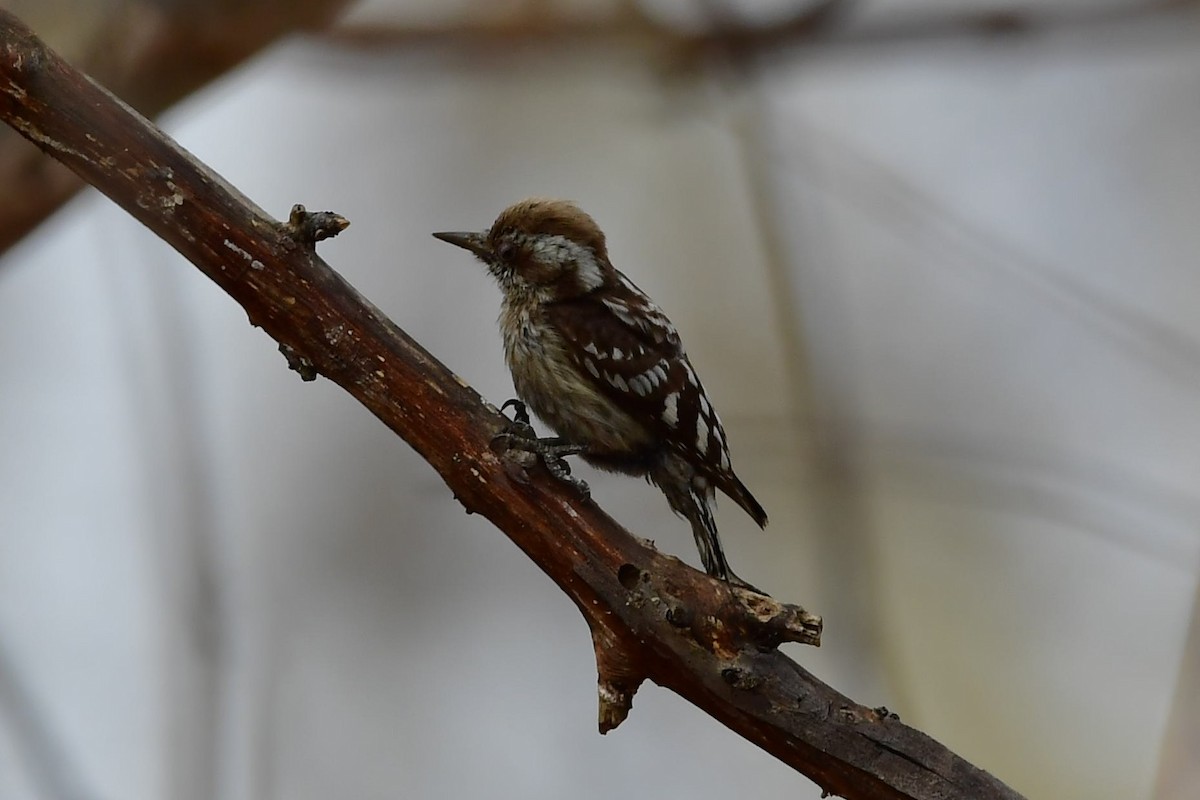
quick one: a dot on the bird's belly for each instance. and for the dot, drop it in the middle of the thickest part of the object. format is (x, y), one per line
(562, 397)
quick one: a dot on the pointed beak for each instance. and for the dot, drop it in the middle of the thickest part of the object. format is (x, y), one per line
(477, 243)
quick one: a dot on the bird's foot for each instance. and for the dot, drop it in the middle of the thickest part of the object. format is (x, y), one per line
(522, 447)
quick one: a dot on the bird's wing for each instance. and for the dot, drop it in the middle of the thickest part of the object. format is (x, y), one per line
(623, 342)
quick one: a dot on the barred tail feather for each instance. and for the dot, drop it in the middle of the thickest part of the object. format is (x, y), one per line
(699, 513)
(738, 492)
(708, 541)
(693, 498)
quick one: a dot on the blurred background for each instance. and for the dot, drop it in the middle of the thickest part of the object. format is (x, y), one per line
(934, 259)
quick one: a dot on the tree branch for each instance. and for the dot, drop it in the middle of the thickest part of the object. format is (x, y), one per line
(651, 616)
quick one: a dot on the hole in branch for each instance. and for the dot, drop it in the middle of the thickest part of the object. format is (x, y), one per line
(628, 575)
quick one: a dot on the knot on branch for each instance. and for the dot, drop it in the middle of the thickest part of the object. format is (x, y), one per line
(673, 606)
(298, 363)
(722, 618)
(769, 623)
(618, 677)
(729, 620)
(310, 227)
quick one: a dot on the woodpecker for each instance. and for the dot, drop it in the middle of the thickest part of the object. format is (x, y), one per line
(599, 362)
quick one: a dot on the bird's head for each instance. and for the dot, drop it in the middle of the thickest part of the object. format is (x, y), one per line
(542, 247)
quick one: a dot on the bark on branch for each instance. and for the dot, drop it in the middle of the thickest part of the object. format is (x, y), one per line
(651, 616)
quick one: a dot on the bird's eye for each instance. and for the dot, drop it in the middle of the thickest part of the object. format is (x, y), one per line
(506, 251)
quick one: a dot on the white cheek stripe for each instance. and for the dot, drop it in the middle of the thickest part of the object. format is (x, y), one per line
(558, 249)
(590, 276)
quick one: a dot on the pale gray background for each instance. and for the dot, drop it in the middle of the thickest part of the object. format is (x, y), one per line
(943, 292)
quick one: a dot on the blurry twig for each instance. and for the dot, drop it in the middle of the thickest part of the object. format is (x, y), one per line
(651, 616)
(629, 24)
(823, 24)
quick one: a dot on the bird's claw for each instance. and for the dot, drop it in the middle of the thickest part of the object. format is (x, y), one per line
(520, 412)
(520, 425)
(561, 470)
(522, 449)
